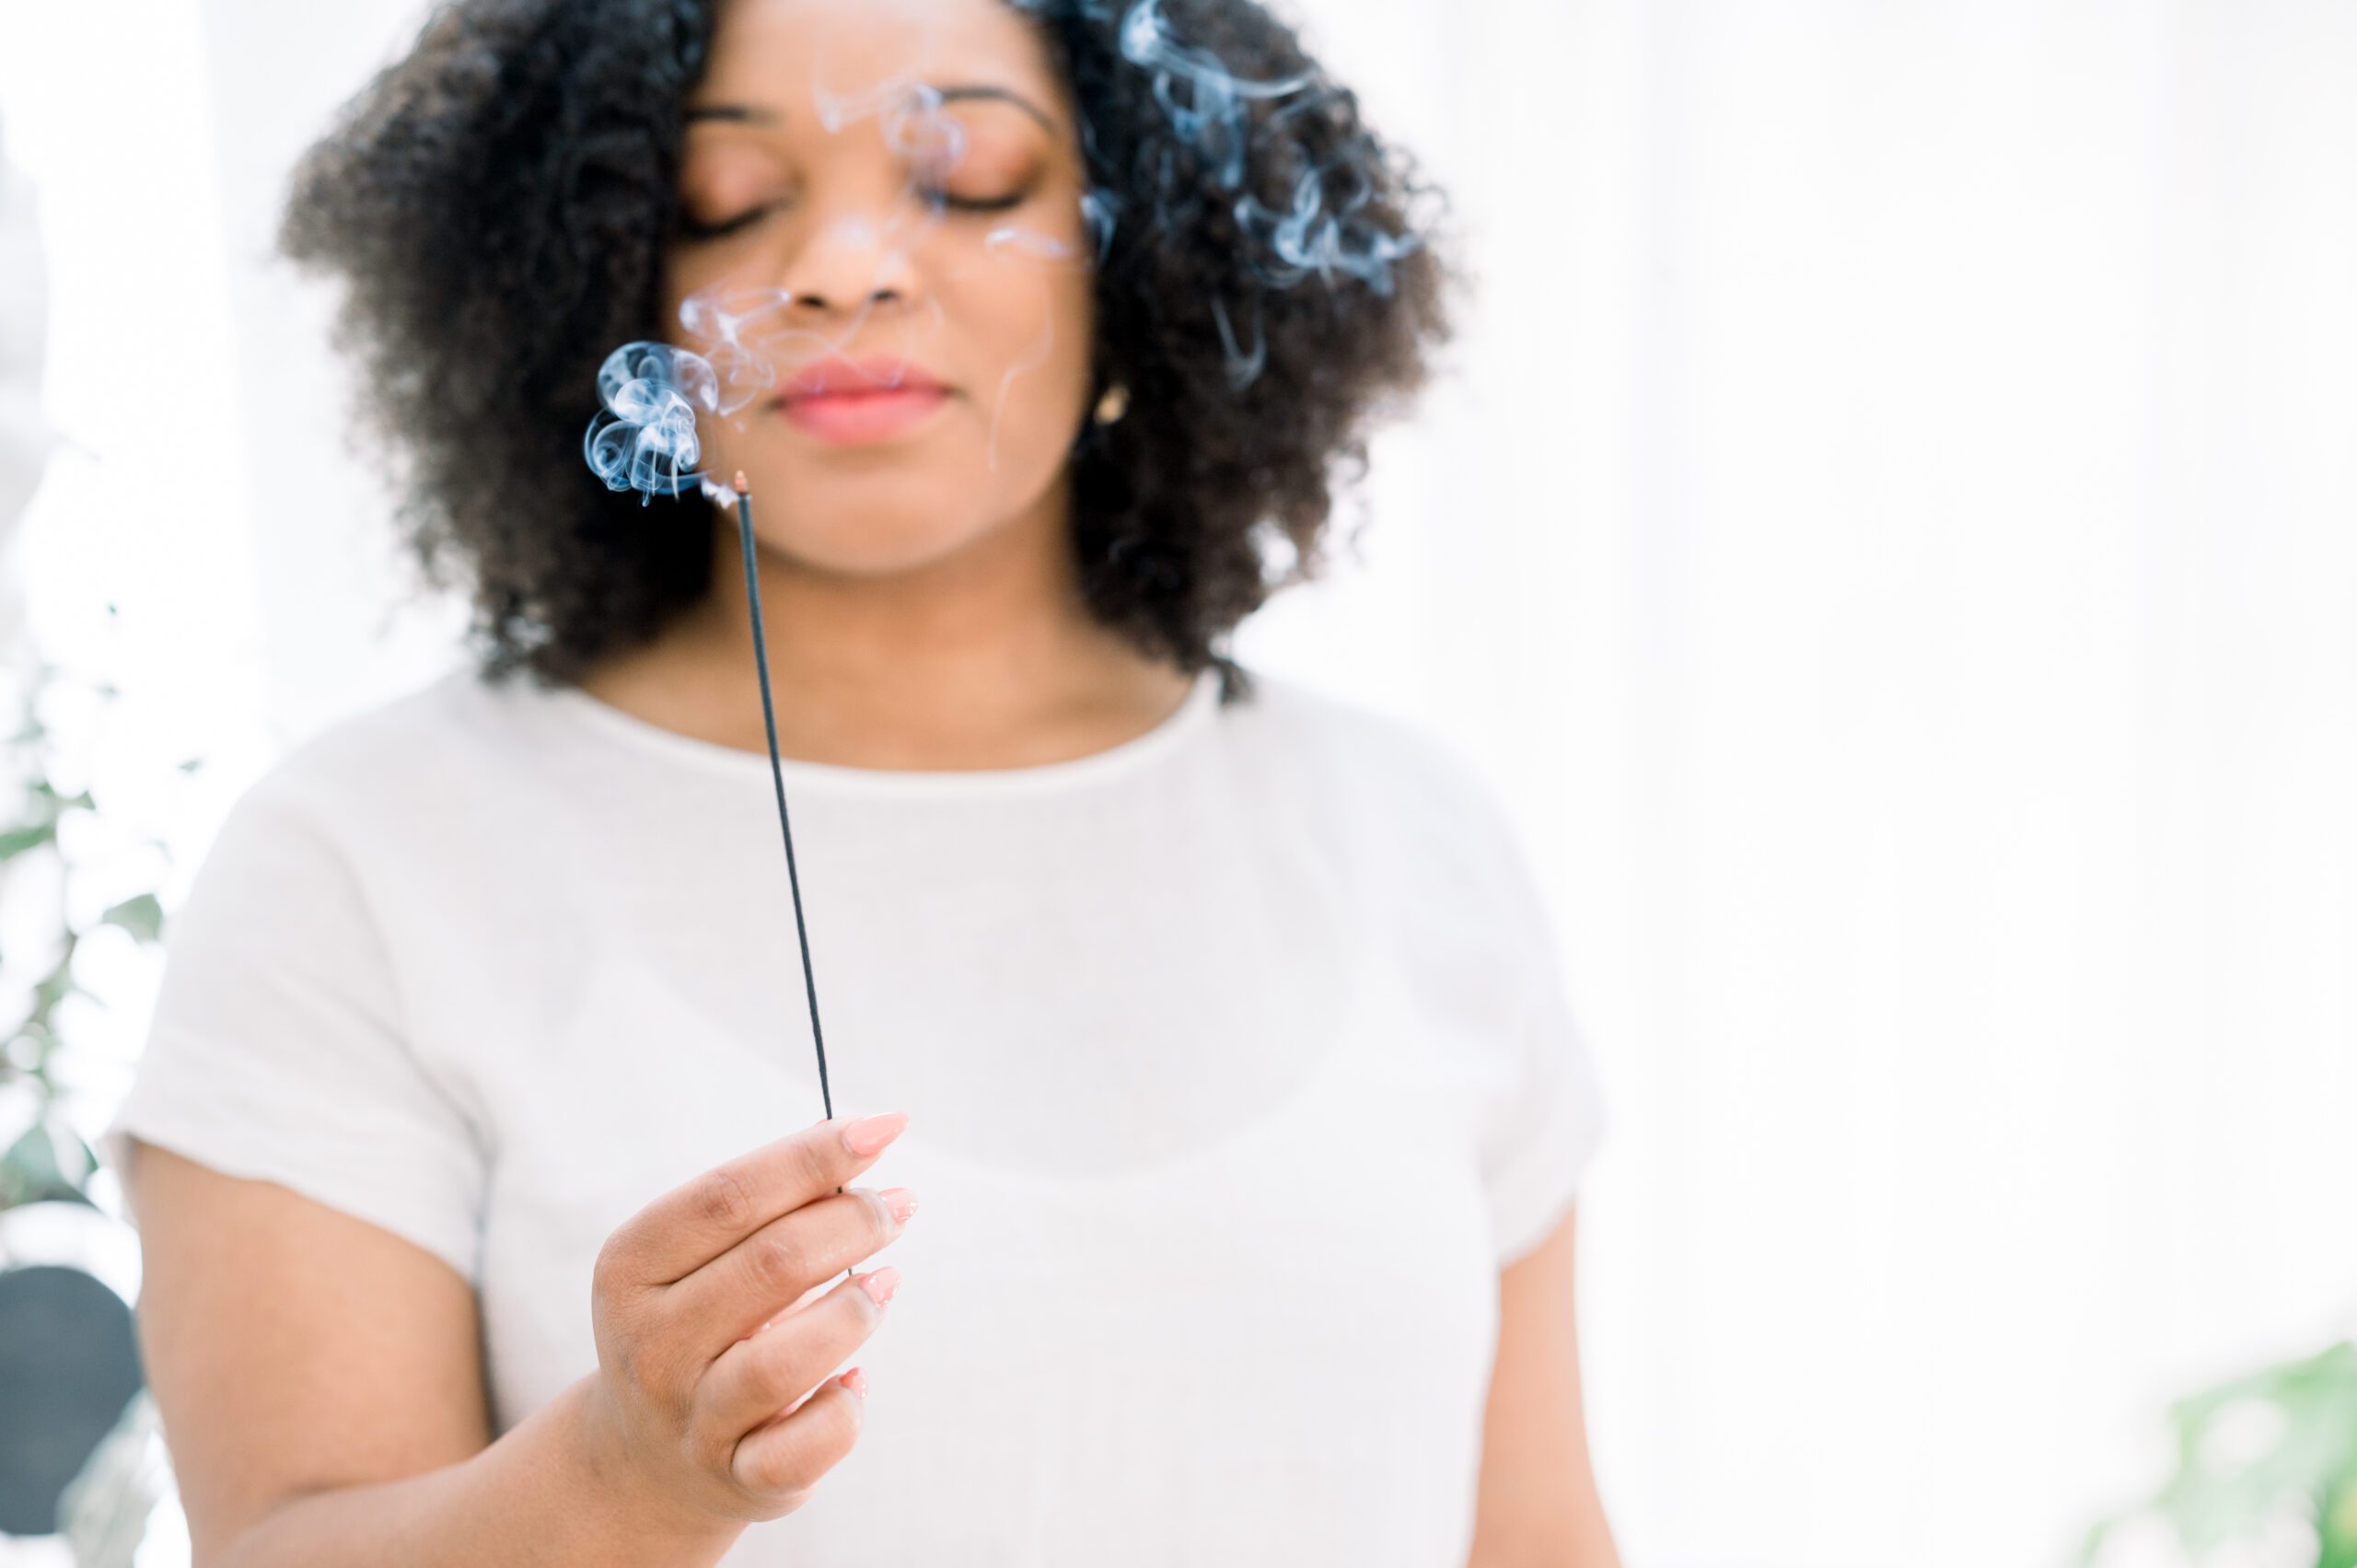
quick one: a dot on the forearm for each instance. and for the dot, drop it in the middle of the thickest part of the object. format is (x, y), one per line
(537, 1495)
(1596, 1554)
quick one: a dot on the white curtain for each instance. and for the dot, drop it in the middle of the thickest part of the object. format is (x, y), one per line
(1887, 535)
(1895, 544)
(25, 438)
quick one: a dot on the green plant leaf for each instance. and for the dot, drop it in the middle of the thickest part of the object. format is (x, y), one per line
(15, 841)
(2091, 1544)
(33, 1156)
(2315, 1449)
(142, 916)
(30, 1171)
(56, 986)
(2337, 1526)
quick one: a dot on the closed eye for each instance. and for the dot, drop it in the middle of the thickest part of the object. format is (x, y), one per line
(978, 204)
(695, 228)
(692, 227)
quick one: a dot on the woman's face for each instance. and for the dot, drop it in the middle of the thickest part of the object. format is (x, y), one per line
(885, 253)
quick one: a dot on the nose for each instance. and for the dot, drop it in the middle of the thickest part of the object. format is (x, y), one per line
(855, 263)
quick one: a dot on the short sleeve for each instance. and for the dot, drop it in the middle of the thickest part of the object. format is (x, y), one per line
(1552, 1115)
(275, 1050)
(1546, 1130)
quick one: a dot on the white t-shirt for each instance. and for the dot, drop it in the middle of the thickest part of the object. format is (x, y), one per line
(1237, 1058)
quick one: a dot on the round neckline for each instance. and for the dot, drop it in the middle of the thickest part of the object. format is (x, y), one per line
(1194, 711)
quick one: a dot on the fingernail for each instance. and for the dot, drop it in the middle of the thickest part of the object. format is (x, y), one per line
(856, 1380)
(869, 1133)
(900, 1201)
(881, 1284)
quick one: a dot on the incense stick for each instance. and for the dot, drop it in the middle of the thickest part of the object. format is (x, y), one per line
(777, 775)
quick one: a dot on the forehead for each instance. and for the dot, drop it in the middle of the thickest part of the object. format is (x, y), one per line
(840, 55)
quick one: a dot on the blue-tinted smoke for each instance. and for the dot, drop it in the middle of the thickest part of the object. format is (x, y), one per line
(739, 334)
(1100, 211)
(1244, 365)
(644, 437)
(1316, 235)
(1204, 100)
(1210, 109)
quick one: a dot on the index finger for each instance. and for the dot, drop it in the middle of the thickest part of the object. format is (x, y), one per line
(707, 1215)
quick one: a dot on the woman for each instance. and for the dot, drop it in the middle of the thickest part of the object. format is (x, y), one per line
(492, 1209)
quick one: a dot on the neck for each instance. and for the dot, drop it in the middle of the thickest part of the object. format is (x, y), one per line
(984, 658)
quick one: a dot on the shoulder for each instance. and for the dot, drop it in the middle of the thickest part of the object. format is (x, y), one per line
(1338, 729)
(454, 709)
(1409, 806)
(380, 773)
(1355, 748)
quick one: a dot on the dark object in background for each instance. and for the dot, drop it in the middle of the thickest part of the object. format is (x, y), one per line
(69, 1362)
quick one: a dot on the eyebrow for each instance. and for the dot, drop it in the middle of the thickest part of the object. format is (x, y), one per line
(747, 114)
(732, 113)
(1001, 95)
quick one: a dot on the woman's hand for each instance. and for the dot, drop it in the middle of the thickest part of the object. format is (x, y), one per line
(708, 1402)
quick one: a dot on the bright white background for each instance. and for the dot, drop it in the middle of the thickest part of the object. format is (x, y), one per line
(1888, 538)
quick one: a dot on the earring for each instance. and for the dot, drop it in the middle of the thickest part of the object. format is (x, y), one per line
(1113, 404)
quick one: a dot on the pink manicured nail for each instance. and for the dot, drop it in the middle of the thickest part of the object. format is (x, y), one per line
(881, 1284)
(856, 1380)
(901, 1203)
(869, 1133)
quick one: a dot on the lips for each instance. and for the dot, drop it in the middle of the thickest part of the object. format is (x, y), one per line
(874, 376)
(858, 401)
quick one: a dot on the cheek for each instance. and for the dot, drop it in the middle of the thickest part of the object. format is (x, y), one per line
(683, 276)
(1033, 325)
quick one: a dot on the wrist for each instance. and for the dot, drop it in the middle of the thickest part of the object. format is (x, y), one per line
(645, 1511)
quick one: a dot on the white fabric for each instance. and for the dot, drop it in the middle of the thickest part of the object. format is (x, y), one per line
(1237, 1059)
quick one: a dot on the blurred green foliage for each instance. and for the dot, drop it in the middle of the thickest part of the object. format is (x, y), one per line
(2278, 1442)
(46, 1159)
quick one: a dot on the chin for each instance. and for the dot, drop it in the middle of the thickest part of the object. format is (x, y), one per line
(879, 517)
(870, 537)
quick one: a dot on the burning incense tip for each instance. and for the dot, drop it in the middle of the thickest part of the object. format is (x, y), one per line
(743, 487)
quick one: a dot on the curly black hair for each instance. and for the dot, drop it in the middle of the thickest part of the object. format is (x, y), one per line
(497, 203)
